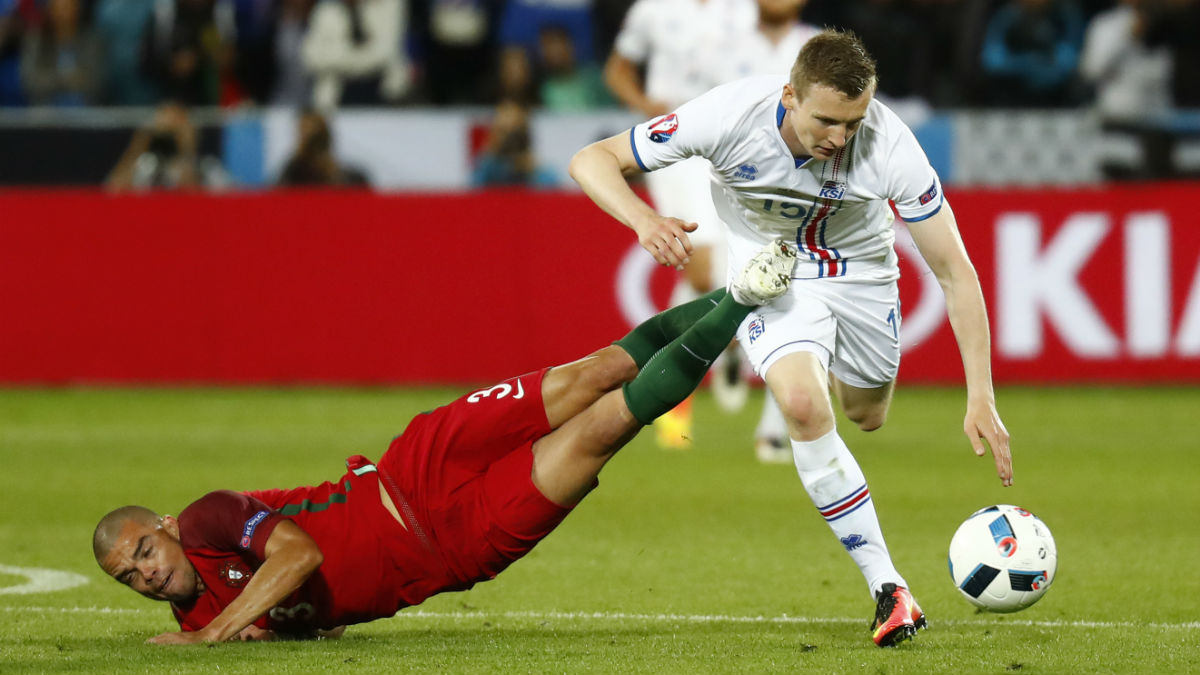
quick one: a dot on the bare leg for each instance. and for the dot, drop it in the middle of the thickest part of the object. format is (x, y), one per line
(868, 408)
(569, 389)
(567, 461)
(830, 473)
(799, 384)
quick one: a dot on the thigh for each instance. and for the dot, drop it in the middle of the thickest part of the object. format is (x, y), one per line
(866, 354)
(800, 321)
(862, 399)
(568, 461)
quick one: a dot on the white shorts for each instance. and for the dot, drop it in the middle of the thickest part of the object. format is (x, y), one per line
(851, 325)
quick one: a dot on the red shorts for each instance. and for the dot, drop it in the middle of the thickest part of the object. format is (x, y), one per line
(465, 473)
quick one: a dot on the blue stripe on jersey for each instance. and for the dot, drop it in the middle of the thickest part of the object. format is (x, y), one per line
(825, 224)
(924, 217)
(636, 156)
(800, 233)
(779, 113)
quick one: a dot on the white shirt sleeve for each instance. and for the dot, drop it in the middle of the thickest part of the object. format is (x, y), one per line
(909, 179)
(694, 129)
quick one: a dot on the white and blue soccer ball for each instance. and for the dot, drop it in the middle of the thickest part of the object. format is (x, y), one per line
(1003, 558)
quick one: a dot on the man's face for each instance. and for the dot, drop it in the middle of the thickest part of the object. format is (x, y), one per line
(825, 119)
(150, 560)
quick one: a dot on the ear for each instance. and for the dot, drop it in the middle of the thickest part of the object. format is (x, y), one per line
(789, 99)
(170, 524)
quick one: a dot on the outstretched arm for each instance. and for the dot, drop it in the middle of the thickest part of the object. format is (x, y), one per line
(291, 558)
(600, 169)
(621, 76)
(940, 245)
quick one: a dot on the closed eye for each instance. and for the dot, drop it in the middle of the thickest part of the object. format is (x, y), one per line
(830, 122)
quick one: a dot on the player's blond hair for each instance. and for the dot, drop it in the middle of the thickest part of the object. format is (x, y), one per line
(834, 58)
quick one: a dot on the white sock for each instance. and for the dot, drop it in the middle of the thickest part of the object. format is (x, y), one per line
(771, 424)
(839, 490)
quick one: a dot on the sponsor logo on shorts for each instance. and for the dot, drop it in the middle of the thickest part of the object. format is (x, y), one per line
(251, 526)
(663, 128)
(832, 189)
(930, 194)
(757, 327)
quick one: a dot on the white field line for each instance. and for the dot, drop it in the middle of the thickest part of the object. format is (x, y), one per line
(418, 615)
(40, 580)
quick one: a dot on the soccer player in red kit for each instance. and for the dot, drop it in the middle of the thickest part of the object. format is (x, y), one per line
(464, 492)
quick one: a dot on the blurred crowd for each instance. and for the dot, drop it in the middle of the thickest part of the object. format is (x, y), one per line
(1128, 60)
(551, 53)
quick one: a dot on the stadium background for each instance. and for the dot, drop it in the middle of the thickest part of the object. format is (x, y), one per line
(1087, 278)
(115, 303)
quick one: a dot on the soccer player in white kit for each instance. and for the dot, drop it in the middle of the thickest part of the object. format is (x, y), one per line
(814, 158)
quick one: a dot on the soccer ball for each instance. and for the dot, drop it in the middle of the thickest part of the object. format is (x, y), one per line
(1003, 558)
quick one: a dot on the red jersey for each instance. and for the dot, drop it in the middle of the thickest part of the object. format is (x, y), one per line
(372, 565)
(460, 476)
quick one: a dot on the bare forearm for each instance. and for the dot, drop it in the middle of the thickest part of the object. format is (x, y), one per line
(271, 584)
(598, 172)
(968, 318)
(621, 77)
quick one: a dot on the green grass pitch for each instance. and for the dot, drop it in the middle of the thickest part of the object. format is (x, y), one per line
(681, 562)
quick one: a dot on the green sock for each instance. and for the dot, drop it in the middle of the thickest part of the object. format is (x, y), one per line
(677, 369)
(658, 331)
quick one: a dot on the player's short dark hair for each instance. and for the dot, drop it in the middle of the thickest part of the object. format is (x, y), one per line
(110, 526)
(834, 58)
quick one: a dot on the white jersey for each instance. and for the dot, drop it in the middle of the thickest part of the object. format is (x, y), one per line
(673, 37)
(751, 53)
(836, 210)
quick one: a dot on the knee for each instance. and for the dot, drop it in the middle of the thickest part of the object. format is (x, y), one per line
(612, 368)
(805, 409)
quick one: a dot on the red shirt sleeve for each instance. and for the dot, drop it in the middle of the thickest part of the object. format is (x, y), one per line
(228, 521)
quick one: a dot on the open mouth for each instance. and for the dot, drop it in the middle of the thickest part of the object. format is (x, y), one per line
(165, 582)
